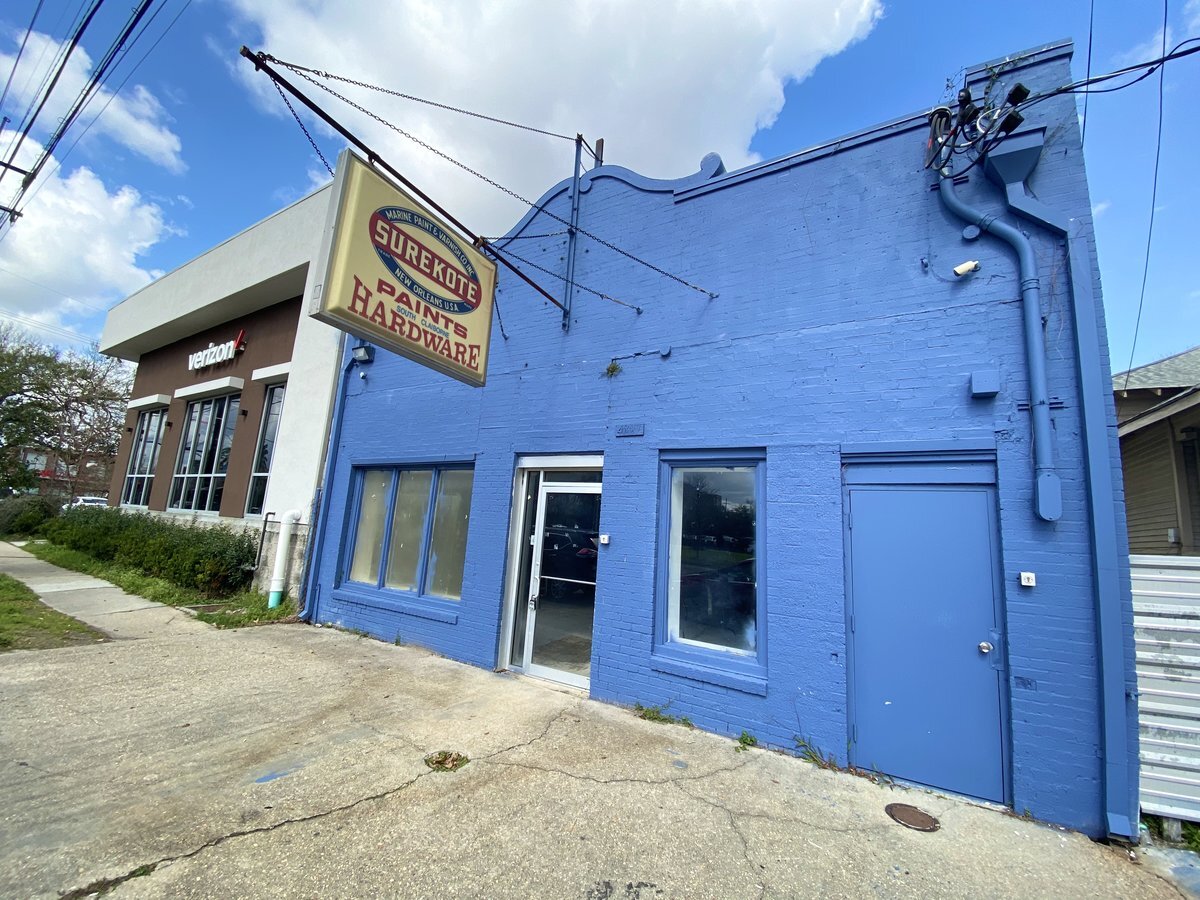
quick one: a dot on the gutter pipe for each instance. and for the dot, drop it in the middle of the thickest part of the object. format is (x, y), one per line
(1010, 165)
(1047, 486)
(287, 525)
(317, 543)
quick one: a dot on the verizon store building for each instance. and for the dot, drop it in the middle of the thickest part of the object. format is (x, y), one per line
(229, 413)
(852, 497)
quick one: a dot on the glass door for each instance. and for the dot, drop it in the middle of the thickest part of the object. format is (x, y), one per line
(562, 582)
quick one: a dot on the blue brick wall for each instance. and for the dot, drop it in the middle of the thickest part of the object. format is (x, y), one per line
(837, 321)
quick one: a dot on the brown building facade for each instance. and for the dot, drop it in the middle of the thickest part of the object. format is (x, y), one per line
(204, 417)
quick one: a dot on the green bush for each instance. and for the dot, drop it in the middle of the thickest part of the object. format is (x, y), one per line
(25, 515)
(214, 560)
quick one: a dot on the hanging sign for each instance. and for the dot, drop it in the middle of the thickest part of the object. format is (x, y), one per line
(396, 275)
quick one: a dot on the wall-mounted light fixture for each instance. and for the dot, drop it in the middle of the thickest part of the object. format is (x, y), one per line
(363, 353)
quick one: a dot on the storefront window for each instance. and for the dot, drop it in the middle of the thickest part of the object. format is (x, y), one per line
(272, 412)
(420, 516)
(199, 481)
(712, 565)
(143, 457)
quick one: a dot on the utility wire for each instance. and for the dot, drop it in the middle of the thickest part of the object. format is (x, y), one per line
(1088, 75)
(1153, 202)
(59, 48)
(565, 280)
(46, 327)
(53, 290)
(396, 128)
(59, 160)
(98, 76)
(16, 62)
(298, 69)
(75, 38)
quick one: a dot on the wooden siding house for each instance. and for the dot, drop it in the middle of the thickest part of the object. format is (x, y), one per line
(1158, 420)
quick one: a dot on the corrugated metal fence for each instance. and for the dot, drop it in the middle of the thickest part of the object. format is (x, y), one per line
(1166, 614)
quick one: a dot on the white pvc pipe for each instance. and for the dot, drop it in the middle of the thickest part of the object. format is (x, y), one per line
(287, 524)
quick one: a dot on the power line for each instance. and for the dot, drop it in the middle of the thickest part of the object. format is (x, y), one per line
(396, 128)
(1153, 202)
(1088, 74)
(47, 287)
(59, 160)
(75, 38)
(16, 62)
(46, 327)
(99, 73)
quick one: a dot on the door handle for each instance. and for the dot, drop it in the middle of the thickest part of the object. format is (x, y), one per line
(533, 602)
(985, 647)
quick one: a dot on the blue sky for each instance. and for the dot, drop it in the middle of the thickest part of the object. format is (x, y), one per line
(196, 146)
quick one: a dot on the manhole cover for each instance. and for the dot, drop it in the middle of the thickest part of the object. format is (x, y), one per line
(911, 817)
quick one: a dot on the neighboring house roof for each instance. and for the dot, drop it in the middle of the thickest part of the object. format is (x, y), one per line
(1169, 407)
(1179, 371)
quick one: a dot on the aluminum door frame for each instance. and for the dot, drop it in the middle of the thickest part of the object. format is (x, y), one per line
(589, 462)
(967, 468)
(535, 573)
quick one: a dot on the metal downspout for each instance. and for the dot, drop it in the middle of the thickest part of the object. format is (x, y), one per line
(1006, 166)
(317, 542)
(1047, 486)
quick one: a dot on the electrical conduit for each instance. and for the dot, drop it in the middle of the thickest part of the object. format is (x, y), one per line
(1047, 488)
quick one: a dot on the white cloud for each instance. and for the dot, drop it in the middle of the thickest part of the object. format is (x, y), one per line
(1191, 16)
(1151, 48)
(76, 249)
(135, 119)
(663, 82)
(1099, 209)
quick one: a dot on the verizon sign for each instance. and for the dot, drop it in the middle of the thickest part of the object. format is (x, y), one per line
(217, 353)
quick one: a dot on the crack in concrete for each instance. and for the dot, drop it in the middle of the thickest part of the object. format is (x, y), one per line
(103, 885)
(758, 870)
(628, 780)
(554, 720)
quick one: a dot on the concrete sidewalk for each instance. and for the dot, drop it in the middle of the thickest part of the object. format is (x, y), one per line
(288, 760)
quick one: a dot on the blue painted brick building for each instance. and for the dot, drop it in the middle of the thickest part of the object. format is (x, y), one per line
(802, 508)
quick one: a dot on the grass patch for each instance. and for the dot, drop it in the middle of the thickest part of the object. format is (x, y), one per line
(130, 580)
(28, 624)
(238, 611)
(659, 714)
(248, 608)
(446, 760)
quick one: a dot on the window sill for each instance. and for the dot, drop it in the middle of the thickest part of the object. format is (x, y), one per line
(749, 677)
(435, 610)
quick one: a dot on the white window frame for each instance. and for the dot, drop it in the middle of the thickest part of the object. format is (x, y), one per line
(262, 433)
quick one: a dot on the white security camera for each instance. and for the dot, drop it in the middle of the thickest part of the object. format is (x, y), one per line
(971, 265)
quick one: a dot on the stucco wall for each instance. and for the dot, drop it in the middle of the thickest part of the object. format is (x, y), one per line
(838, 321)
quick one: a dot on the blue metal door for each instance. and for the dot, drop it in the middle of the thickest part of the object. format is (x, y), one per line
(927, 697)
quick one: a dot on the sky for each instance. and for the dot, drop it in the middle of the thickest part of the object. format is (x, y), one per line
(186, 144)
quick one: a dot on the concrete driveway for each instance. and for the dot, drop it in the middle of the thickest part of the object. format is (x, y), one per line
(287, 761)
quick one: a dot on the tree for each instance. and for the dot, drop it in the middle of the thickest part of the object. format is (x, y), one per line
(25, 416)
(66, 404)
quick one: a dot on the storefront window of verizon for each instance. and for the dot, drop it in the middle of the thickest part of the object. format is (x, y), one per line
(410, 530)
(199, 481)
